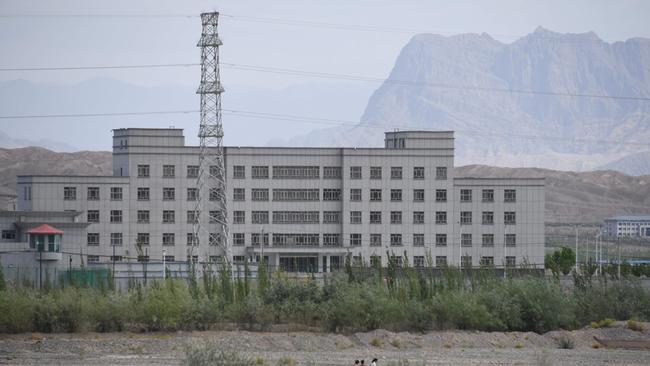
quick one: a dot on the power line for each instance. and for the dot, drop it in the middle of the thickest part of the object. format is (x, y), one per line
(326, 121)
(349, 77)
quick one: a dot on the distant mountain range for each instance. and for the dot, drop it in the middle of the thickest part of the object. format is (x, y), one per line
(510, 104)
(570, 197)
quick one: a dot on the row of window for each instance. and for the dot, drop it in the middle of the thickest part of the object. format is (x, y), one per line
(418, 261)
(304, 217)
(487, 195)
(262, 194)
(280, 239)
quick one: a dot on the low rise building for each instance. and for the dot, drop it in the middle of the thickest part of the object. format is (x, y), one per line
(628, 226)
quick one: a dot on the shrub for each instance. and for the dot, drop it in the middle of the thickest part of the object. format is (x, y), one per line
(287, 361)
(519, 345)
(605, 323)
(209, 355)
(376, 342)
(634, 325)
(396, 343)
(565, 342)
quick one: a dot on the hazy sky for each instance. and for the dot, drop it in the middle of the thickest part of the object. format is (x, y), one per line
(101, 41)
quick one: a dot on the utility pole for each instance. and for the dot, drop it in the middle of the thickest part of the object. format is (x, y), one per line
(164, 271)
(618, 242)
(211, 180)
(576, 227)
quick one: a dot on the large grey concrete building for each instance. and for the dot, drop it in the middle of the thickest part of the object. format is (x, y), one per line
(309, 206)
(629, 226)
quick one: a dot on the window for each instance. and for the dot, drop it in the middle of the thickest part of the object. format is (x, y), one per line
(192, 171)
(466, 261)
(332, 172)
(441, 217)
(296, 217)
(260, 217)
(192, 194)
(92, 238)
(355, 240)
(509, 218)
(331, 194)
(295, 195)
(116, 216)
(375, 217)
(375, 195)
(488, 240)
(331, 240)
(93, 258)
(418, 217)
(215, 217)
(116, 258)
(192, 217)
(396, 240)
(355, 172)
(143, 258)
(93, 193)
(355, 194)
(441, 195)
(8, 234)
(255, 239)
(296, 172)
(260, 172)
(169, 194)
(488, 218)
(116, 239)
(355, 217)
(238, 239)
(466, 218)
(441, 261)
(143, 194)
(375, 240)
(375, 261)
(238, 172)
(441, 172)
(260, 194)
(311, 240)
(239, 217)
(396, 260)
(441, 240)
(418, 261)
(487, 261)
(375, 172)
(331, 217)
(396, 217)
(510, 195)
(169, 171)
(169, 217)
(142, 239)
(143, 217)
(511, 240)
(192, 239)
(214, 239)
(168, 239)
(239, 194)
(418, 172)
(511, 262)
(27, 193)
(465, 195)
(116, 193)
(466, 240)
(93, 216)
(215, 194)
(396, 172)
(169, 258)
(69, 193)
(395, 195)
(143, 171)
(488, 195)
(418, 195)
(418, 240)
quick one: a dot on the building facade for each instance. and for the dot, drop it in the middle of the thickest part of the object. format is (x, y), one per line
(629, 226)
(309, 207)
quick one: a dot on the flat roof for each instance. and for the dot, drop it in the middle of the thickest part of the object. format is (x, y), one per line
(629, 218)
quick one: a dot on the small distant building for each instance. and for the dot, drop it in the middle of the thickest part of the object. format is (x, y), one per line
(628, 226)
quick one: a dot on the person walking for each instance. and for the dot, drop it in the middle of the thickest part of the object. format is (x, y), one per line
(374, 362)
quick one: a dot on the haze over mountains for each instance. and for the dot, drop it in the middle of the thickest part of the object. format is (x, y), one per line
(460, 83)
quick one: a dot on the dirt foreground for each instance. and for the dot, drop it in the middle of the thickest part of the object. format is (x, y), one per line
(306, 348)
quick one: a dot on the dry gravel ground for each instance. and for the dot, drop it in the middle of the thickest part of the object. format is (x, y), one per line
(434, 348)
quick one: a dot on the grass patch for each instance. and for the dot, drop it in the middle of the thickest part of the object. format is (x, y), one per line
(287, 361)
(396, 343)
(565, 342)
(605, 323)
(210, 355)
(635, 325)
(260, 361)
(376, 342)
(519, 345)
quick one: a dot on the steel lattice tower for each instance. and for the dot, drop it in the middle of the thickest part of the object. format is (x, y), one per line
(211, 180)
